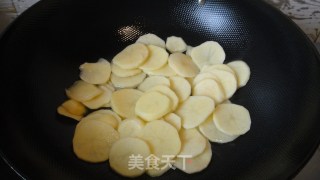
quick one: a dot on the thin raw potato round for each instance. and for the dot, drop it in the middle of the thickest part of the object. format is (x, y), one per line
(124, 151)
(100, 100)
(82, 91)
(193, 143)
(183, 65)
(166, 70)
(227, 80)
(74, 107)
(62, 111)
(152, 81)
(169, 93)
(130, 128)
(176, 44)
(127, 82)
(203, 76)
(162, 138)
(232, 119)
(189, 49)
(152, 106)
(207, 53)
(197, 164)
(210, 88)
(118, 71)
(242, 71)
(158, 172)
(151, 39)
(181, 87)
(174, 120)
(158, 57)
(195, 110)
(106, 116)
(109, 112)
(223, 67)
(132, 56)
(210, 131)
(123, 102)
(95, 73)
(93, 139)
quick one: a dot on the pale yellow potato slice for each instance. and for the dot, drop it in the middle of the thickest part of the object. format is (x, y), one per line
(190, 80)
(107, 111)
(82, 91)
(158, 172)
(93, 139)
(223, 67)
(152, 81)
(209, 52)
(109, 85)
(203, 76)
(130, 128)
(127, 82)
(232, 119)
(242, 71)
(123, 102)
(195, 110)
(152, 106)
(162, 138)
(176, 44)
(210, 131)
(181, 87)
(74, 107)
(158, 57)
(193, 143)
(174, 120)
(107, 105)
(122, 154)
(227, 80)
(227, 102)
(183, 65)
(189, 49)
(210, 88)
(166, 70)
(62, 111)
(132, 56)
(151, 39)
(195, 164)
(118, 71)
(169, 93)
(100, 100)
(95, 73)
(106, 116)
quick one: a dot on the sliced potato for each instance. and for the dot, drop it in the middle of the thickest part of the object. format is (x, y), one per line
(227, 80)
(169, 93)
(223, 67)
(195, 164)
(122, 153)
(152, 81)
(174, 120)
(93, 139)
(162, 138)
(209, 52)
(210, 131)
(82, 91)
(132, 56)
(181, 87)
(203, 76)
(100, 100)
(232, 119)
(158, 172)
(227, 102)
(176, 44)
(127, 82)
(130, 128)
(74, 107)
(151, 39)
(158, 57)
(107, 111)
(166, 70)
(195, 110)
(106, 116)
(242, 71)
(210, 88)
(123, 102)
(152, 106)
(183, 65)
(95, 73)
(189, 49)
(62, 111)
(118, 71)
(193, 143)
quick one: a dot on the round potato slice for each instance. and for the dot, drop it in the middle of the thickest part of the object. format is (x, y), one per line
(197, 163)
(132, 56)
(210, 88)
(183, 65)
(62, 111)
(203, 76)
(109, 112)
(158, 172)
(232, 119)
(152, 81)
(74, 107)
(210, 131)
(195, 110)
(151, 39)
(242, 71)
(169, 93)
(152, 106)
(174, 120)
(193, 143)
(162, 138)
(123, 102)
(166, 70)
(181, 87)
(106, 116)
(83, 91)
(130, 128)
(223, 67)
(127, 82)
(118, 71)
(93, 139)
(158, 57)
(100, 100)
(189, 49)
(123, 151)
(176, 44)
(209, 52)
(227, 80)
(95, 73)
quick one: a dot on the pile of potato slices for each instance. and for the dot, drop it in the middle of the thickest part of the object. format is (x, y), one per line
(157, 100)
